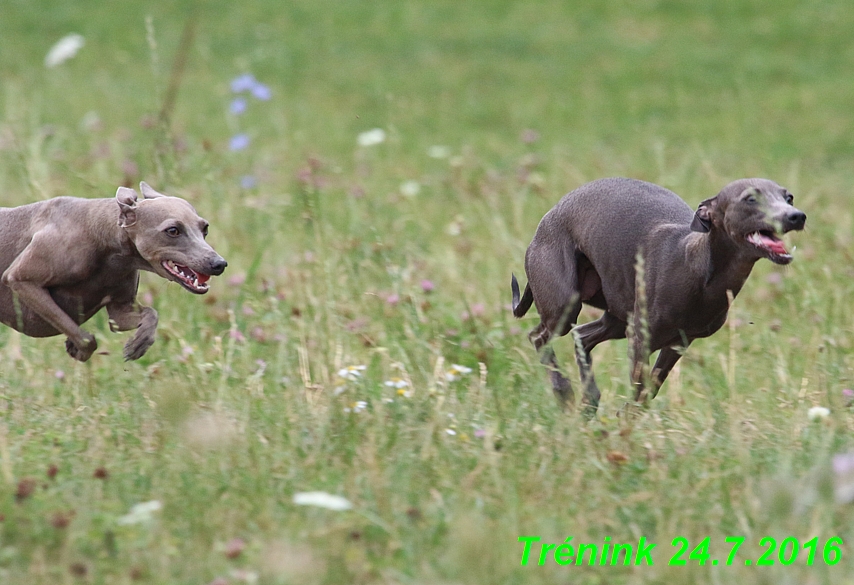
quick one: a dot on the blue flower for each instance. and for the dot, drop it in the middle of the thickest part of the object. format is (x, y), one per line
(238, 106)
(238, 142)
(248, 182)
(243, 82)
(261, 91)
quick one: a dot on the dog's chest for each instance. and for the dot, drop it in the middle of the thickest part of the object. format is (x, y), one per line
(704, 317)
(82, 299)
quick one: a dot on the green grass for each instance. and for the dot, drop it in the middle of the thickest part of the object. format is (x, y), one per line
(238, 404)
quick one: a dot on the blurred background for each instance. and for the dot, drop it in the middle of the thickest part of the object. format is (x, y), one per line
(373, 172)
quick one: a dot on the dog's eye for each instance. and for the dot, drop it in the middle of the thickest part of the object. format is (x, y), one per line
(789, 198)
(173, 231)
(205, 231)
(751, 199)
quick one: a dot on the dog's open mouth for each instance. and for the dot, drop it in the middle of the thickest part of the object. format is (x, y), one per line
(193, 281)
(773, 246)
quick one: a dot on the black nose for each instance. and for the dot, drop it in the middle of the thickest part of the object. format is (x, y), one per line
(796, 220)
(218, 266)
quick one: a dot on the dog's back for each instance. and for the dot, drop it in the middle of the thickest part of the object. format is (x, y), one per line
(602, 225)
(18, 224)
(611, 212)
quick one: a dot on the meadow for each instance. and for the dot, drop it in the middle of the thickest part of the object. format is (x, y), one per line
(360, 342)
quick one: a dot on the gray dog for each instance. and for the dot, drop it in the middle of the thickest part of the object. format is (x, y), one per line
(585, 249)
(64, 259)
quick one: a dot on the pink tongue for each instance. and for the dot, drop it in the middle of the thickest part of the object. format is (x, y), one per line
(775, 246)
(202, 278)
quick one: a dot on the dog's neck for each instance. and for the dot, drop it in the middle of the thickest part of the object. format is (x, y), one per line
(718, 262)
(113, 238)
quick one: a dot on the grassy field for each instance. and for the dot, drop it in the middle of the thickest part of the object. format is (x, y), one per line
(397, 257)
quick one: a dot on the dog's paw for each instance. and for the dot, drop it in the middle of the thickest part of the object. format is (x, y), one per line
(137, 345)
(82, 354)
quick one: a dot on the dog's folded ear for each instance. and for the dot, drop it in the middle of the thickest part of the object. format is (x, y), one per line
(702, 221)
(148, 192)
(126, 198)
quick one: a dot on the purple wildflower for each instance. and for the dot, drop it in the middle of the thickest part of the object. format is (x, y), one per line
(238, 106)
(238, 142)
(530, 136)
(248, 182)
(261, 91)
(843, 470)
(243, 82)
(843, 463)
(427, 285)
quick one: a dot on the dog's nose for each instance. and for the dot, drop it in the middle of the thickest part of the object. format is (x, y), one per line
(796, 220)
(218, 266)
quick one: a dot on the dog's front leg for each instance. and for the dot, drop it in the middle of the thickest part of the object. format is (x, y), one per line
(80, 345)
(667, 358)
(129, 316)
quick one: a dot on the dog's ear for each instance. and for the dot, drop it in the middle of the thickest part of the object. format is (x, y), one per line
(148, 192)
(702, 221)
(126, 198)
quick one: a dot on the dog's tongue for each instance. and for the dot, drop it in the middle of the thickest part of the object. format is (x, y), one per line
(773, 244)
(202, 278)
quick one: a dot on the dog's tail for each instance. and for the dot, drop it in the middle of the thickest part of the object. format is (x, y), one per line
(520, 304)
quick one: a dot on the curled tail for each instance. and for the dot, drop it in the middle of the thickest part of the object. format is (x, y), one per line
(520, 304)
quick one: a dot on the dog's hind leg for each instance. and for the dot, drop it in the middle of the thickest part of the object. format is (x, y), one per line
(561, 386)
(553, 283)
(589, 336)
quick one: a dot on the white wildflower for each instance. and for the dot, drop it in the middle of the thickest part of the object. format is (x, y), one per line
(371, 137)
(438, 151)
(401, 385)
(818, 413)
(322, 500)
(91, 121)
(456, 372)
(358, 406)
(451, 432)
(455, 228)
(245, 575)
(64, 49)
(140, 513)
(352, 373)
(410, 188)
